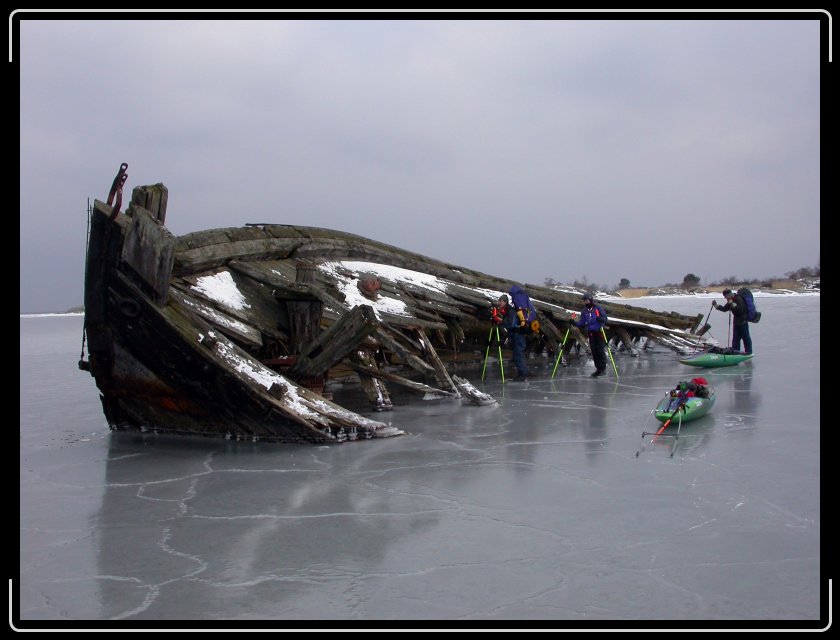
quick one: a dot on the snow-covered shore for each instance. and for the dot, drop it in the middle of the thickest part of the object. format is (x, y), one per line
(52, 315)
(709, 295)
(758, 293)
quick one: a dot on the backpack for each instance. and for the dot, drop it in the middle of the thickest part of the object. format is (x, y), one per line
(521, 302)
(753, 314)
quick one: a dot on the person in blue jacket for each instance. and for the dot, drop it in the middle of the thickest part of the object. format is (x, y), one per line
(593, 318)
(740, 328)
(517, 322)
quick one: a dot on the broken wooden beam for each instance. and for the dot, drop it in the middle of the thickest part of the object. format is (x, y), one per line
(388, 337)
(364, 363)
(376, 372)
(153, 198)
(431, 355)
(304, 315)
(333, 344)
(626, 340)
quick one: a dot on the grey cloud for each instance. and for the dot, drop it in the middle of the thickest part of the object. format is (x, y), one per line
(527, 149)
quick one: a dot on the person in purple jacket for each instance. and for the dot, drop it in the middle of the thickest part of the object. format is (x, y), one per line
(592, 319)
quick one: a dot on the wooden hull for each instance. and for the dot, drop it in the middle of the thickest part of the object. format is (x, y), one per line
(693, 409)
(716, 359)
(236, 332)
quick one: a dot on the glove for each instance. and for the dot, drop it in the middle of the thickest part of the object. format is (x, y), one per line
(714, 303)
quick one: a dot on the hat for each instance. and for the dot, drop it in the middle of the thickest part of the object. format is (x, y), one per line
(503, 298)
(587, 296)
(727, 292)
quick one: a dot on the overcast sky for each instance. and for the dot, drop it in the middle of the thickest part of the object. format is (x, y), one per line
(556, 147)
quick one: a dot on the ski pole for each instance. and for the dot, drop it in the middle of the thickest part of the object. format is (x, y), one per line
(609, 351)
(487, 353)
(501, 361)
(560, 353)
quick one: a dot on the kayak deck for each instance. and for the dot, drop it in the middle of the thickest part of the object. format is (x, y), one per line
(693, 408)
(717, 359)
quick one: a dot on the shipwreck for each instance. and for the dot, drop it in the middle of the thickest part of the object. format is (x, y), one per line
(239, 332)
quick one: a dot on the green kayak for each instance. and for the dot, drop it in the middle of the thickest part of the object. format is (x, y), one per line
(690, 408)
(717, 357)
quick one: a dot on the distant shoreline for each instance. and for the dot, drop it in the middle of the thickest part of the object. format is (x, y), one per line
(808, 286)
(708, 292)
(50, 314)
(624, 294)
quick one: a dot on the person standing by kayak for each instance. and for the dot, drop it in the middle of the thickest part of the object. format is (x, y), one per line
(593, 318)
(740, 326)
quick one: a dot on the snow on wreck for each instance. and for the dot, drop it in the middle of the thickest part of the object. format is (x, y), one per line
(239, 332)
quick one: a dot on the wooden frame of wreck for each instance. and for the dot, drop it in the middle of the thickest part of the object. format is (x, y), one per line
(170, 354)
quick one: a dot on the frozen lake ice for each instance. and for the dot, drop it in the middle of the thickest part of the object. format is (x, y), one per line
(532, 512)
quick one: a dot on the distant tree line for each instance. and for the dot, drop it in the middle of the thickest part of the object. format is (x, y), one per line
(798, 274)
(692, 281)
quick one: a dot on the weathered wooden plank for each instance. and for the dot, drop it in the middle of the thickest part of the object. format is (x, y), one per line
(238, 296)
(362, 367)
(553, 335)
(210, 256)
(365, 365)
(410, 321)
(273, 273)
(304, 315)
(626, 340)
(470, 393)
(456, 332)
(247, 234)
(429, 353)
(153, 198)
(106, 239)
(149, 250)
(336, 342)
(582, 339)
(421, 293)
(394, 340)
(471, 297)
(230, 326)
(674, 342)
(437, 309)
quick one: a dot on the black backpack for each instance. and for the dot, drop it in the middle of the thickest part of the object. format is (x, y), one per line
(753, 314)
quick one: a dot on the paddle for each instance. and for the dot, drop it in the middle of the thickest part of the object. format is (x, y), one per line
(680, 402)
